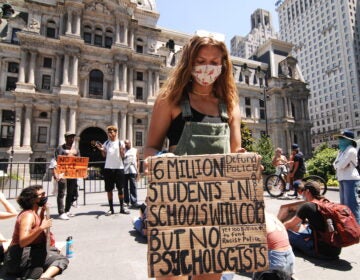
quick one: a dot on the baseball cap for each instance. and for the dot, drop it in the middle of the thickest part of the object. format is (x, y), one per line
(69, 133)
(347, 134)
(294, 146)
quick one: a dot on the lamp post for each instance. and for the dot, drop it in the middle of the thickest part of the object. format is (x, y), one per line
(265, 111)
(11, 157)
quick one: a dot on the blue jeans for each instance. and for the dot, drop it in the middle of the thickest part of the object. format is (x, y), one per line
(348, 196)
(302, 241)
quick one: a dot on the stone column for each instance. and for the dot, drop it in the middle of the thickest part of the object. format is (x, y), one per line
(17, 130)
(32, 68)
(78, 22)
(66, 70)
(105, 89)
(62, 126)
(74, 81)
(132, 39)
(123, 125)
(23, 62)
(86, 87)
(117, 34)
(58, 70)
(115, 117)
(150, 84)
(124, 78)
(69, 23)
(27, 126)
(54, 126)
(131, 81)
(2, 75)
(129, 129)
(116, 76)
(126, 34)
(72, 119)
(157, 82)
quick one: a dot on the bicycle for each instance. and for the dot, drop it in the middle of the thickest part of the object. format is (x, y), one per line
(275, 184)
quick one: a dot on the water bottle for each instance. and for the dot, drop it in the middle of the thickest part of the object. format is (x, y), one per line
(330, 225)
(69, 247)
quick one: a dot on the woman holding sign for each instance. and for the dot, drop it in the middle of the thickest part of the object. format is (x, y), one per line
(197, 108)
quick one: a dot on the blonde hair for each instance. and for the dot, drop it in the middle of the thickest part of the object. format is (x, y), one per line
(180, 79)
(112, 127)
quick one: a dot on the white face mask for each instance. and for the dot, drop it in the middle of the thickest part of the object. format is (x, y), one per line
(206, 74)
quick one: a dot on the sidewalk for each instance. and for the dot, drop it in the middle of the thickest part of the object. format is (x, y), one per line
(108, 247)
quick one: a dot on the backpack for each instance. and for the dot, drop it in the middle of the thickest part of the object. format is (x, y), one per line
(345, 229)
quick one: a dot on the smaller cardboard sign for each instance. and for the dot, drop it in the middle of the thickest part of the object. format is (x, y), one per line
(287, 211)
(72, 167)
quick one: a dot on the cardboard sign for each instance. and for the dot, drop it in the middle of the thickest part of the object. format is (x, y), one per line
(72, 167)
(287, 211)
(205, 215)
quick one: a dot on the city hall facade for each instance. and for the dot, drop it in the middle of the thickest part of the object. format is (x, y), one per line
(82, 65)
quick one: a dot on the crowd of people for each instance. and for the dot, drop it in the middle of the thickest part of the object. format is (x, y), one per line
(197, 111)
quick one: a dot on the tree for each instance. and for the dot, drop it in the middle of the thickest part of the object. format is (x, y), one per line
(321, 163)
(246, 139)
(265, 148)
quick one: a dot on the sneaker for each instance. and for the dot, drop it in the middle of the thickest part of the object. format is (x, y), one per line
(124, 211)
(109, 213)
(134, 206)
(63, 216)
(287, 187)
(70, 215)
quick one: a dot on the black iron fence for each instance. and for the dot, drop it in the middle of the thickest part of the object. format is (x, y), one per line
(18, 175)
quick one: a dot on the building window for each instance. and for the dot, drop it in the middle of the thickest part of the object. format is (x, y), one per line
(139, 45)
(139, 93)
(7, 128)
(138, 138)
(108, 39)
(262, 109)
(51, 29)
(47, 62)
(98, 40)
(11, 83)
(139, 76)
(13, 67)
(42, 134)
(248, 112)
(14, 38)
(87, 34)
(247, 101)
(46, 82)
(96, 83)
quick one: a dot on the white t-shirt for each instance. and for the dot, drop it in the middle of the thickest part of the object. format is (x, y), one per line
(113, 159)
(130, 161)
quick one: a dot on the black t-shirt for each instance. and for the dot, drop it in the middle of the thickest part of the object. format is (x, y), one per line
(301, 170)
(308, 212)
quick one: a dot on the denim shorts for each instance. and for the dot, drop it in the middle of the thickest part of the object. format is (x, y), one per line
(282, 261)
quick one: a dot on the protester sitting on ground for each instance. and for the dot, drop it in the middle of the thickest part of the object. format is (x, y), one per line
(140, 222)
(308, 219)
(279, 161)
(281, 256)
(9, 212)
(29, 256)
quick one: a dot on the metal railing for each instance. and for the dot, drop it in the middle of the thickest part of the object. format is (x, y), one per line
(18, 175)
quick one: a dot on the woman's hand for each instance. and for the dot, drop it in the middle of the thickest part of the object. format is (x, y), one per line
(46, 223)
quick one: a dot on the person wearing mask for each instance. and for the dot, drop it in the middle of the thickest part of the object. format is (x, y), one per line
(131, 167)
(114, 152)
(197, 109)
(29, 255)
(66, 185)
(346, 172)
(308, 219)
(9, 212)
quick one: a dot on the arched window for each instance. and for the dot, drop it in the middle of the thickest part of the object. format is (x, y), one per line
(96, 83)
(98, 38)
(87, 34)
(51, 29)
(108, 38)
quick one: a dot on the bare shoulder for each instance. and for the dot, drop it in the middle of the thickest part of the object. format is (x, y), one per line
(164, 107)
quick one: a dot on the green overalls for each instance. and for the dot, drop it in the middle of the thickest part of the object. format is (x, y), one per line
(203, 138)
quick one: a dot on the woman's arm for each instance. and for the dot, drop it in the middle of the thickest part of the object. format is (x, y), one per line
(27, 233)
(348, 158)
(235, 133)
(159, 125)
(293, 224)
(9, 208)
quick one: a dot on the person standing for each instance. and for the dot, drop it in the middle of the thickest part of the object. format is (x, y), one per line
(131, 165)
(346, 172)
(69, 185)
(201, 93)
(298, 169)
(279, 161)
(114, 152)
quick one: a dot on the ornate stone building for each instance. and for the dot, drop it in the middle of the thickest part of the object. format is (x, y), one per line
(81, 65)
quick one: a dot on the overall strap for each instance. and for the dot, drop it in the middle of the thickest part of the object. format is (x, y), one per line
(223, 111)
(186, 109)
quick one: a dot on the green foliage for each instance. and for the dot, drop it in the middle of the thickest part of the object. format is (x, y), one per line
(321, 163)
(265, 148)
(332, 182)
(246, 138)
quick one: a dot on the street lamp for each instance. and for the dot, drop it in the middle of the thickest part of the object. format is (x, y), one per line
(265, 110)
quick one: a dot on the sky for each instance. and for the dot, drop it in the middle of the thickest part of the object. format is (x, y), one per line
(229, 17)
